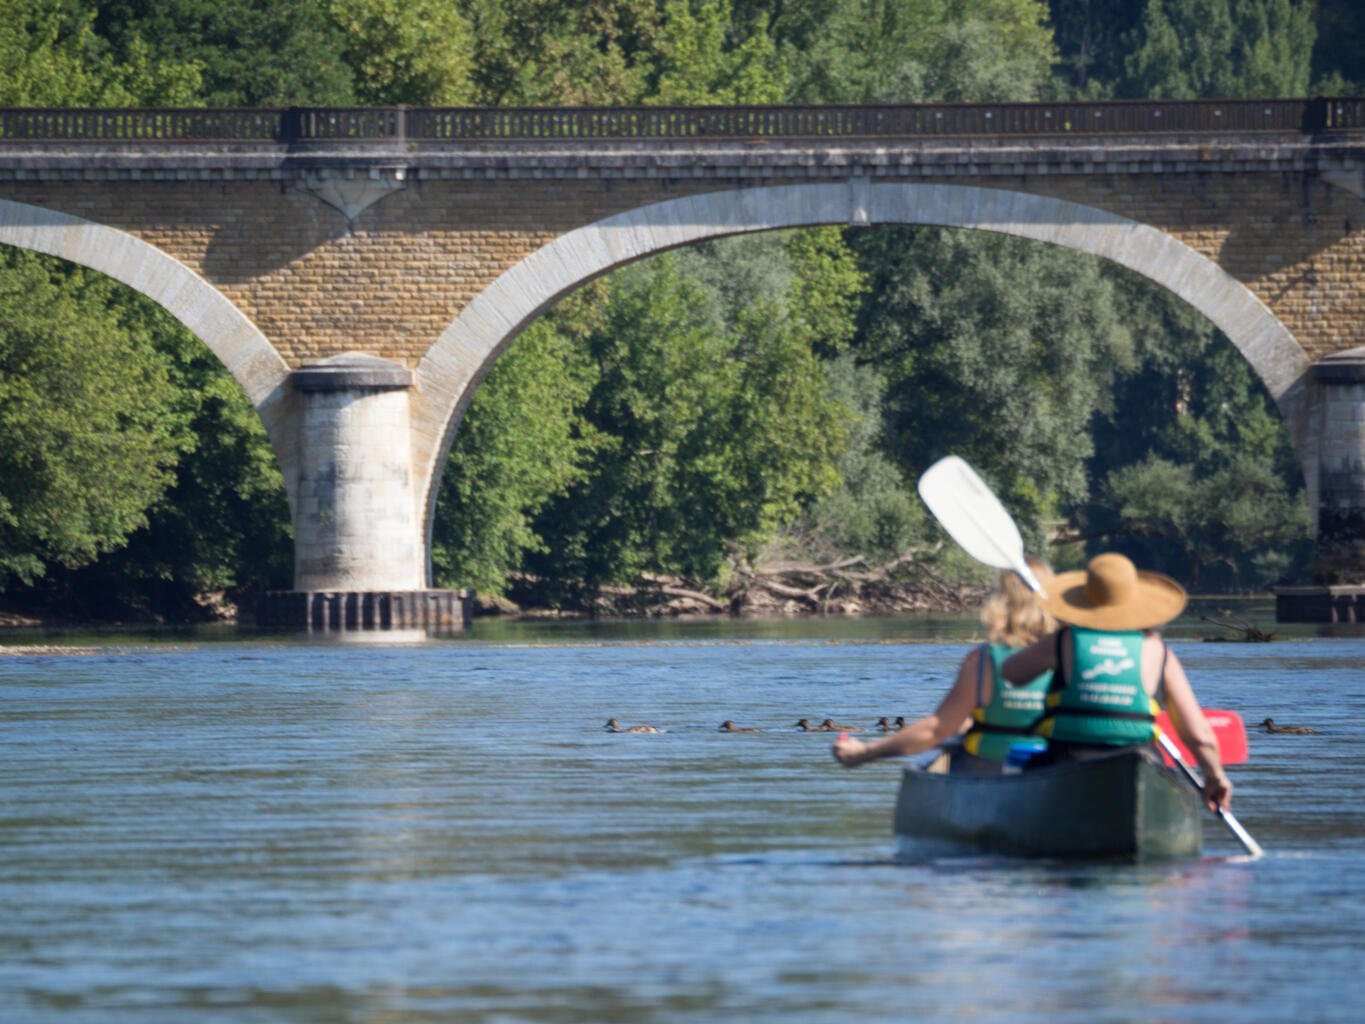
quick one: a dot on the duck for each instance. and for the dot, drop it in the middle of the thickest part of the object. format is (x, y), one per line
(828, 726)
(729, 726)
(614, 726)
(1301, 730)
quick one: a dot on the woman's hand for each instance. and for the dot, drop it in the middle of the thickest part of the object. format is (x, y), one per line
(848, 751)
(1218, 791)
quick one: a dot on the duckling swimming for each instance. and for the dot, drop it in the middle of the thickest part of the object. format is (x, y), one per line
(614, 726)
(1300, 730)
(729, 726)
(828, 726)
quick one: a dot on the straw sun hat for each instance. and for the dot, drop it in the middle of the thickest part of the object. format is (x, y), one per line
(1113, 594)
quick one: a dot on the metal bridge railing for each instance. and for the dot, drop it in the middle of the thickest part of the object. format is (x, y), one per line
(410, 124)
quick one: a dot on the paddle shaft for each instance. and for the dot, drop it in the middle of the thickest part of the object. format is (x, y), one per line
(1243, 836)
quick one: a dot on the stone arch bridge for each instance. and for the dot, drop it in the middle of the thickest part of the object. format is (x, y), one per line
(359, 270)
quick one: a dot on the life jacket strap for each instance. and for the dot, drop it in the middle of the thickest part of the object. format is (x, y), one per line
(1023, 730)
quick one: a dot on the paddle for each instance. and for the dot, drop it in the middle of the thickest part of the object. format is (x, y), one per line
(974, 517)
(1171, 750)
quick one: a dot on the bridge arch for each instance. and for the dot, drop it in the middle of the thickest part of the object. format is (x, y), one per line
(202, 308)
(464, 353)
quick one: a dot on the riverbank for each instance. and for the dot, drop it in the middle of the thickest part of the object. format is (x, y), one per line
(776, 587)
(774, 590)
(661, 600)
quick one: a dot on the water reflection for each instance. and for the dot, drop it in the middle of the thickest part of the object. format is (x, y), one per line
(375, 637)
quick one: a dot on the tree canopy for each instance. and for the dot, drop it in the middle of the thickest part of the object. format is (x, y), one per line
(83, 401)
(1214, 48)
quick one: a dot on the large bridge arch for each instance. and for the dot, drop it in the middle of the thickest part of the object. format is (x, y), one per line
(463, 354)
(203, 309)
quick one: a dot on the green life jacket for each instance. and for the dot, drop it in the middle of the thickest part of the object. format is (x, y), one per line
(1103, 702)
(1012, 712)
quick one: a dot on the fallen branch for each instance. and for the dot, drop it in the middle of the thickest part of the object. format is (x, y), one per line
(847, 585)
(1250, 633)
(654, 588)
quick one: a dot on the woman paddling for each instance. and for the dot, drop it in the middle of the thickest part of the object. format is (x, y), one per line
(1113, 671)
(994, 716)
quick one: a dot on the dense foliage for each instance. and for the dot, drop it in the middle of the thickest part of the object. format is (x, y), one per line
(683, 416)
(83, 399)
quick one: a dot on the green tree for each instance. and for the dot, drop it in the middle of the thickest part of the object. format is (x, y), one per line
(698, 64)
(873, 512)
(522, 442)
(1236, 519)
(1194, 470)
(418, 52)
(830, 288)
(878, 51)
(1190, 418)
(918, 325)
(1093, 39)
(87, 413)
(713, 434)
(1215, 48)
(50, 55)
(222, 527)
(562, 52)
(999, 349)
(250, 53)
(1339, 54)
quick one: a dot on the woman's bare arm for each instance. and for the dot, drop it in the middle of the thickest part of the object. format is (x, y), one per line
(953, 715)
(1195, 732)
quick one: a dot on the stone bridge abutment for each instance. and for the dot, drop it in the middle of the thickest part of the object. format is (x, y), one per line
(359, 289)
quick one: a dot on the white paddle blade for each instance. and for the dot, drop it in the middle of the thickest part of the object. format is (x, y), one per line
(974, 517)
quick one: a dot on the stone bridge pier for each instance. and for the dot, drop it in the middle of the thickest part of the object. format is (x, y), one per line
(359, 561)
(1337, 460)
(1340, 384)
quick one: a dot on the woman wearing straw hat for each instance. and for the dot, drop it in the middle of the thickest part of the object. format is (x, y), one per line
(1113, 670)
(993, 715)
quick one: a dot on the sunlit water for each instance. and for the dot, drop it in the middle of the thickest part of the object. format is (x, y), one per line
(266, 830)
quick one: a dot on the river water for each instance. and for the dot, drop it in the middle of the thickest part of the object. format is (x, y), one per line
(217, 828)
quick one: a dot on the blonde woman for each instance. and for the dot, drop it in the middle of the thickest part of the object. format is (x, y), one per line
(993, 716)
(1113, 671)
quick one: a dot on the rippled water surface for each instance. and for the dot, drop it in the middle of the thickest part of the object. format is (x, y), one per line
(269, 830)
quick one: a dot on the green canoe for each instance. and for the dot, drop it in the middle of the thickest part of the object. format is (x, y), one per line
(1126, 805)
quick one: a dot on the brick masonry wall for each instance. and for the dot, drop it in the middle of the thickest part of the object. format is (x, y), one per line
(390, 285)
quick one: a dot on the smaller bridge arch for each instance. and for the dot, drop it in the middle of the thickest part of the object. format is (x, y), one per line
(464, 353)
(203, 309)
